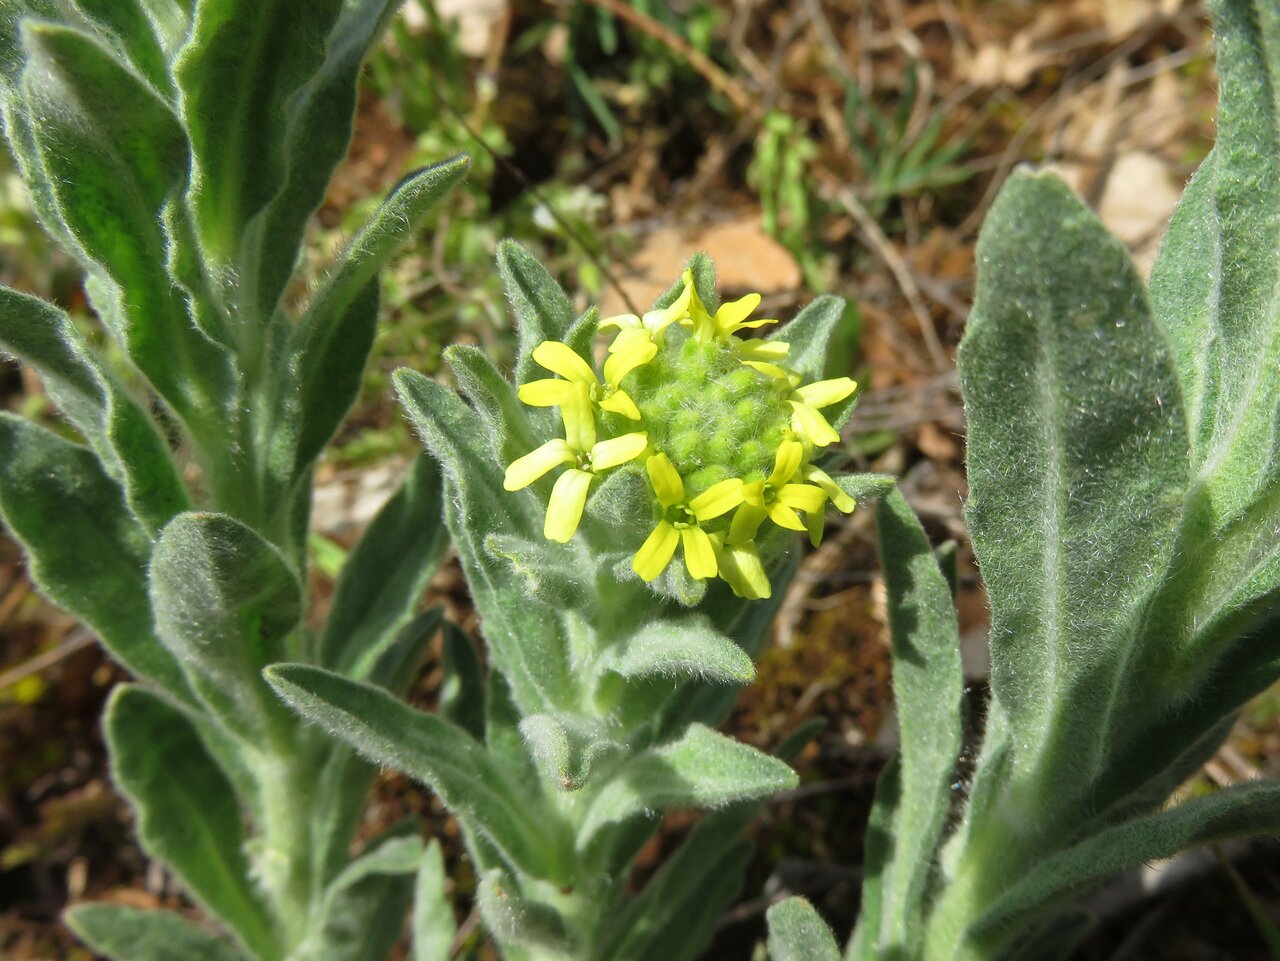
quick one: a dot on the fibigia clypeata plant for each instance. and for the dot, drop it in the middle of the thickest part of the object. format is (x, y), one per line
(1124, 472)
(177, 150)
(625, 528)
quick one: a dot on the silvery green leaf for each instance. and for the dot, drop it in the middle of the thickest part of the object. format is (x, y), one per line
(542, 309)
(877, 853)
(325, 356)
(428, 749)
(385, 575)
(1214, 291)
(809, 335)
(398, 658)
(462, 696)
(1241, 811)
(113, 153)
(566, 749)
(494, 399)
(342, 788)
(224, 600)
(524, 635)
(1076, 475)
(679, 648)
(928, 692)
(515, 919)
(552, 573)
(1056, 939)
(704, 281)
(121, 433)
(187, 812)
(434, 925)
(701, 769)
(674, 915)
(362, 912)
(797, 933)
(132, 28)
(84, 548)
(128, 934)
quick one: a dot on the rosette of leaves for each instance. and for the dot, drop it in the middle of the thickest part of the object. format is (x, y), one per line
(177, 150)
(1124, 472)
(602, 691)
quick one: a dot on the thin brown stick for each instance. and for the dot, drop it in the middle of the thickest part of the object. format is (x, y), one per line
(720, 81)
(69, 645)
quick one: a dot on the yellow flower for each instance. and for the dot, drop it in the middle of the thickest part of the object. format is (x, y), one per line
(842, 501)
(777, 498)
(588, 457)
(806, 401)
(577, 373)
(740, 566)
(681, 520)
(728, 320)
(650, 327)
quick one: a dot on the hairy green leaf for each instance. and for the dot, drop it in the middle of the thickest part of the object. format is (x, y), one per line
(84, 549)
(809, 335)
(518, 920)
(434, 925)
(188, 814)
(128, 934)
(1077, 457)
(1241, 811)
(680, 648)
(427, 749)
(797, 933)
(701, 769)
(383, 579)
(121, 433)
(462, 698)
(224, 601)
(928, 691)
(113, 154)
(542, 309)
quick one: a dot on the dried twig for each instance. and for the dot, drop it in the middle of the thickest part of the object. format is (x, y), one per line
(73, 642)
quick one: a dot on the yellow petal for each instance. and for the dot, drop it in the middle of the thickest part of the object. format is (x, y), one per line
(564, 511)
(717, 499)
(620, 402)
(665, 479)
(815, 523)
(753, 493)
(816, 475)
(746, 522)
(824, 393)
(740, 566)
(563, 360)
(812, 425)
(656, 552)
(546, 393)
(770, 370)
(784, 516)
(625, 337)
(621, 321)
(761, 350)
(527, 469)
(661, 319)
(618, 450)
(730, 316)
(629, 356)
(786, 462)
(699, 555)
(579, 419)
(803, 497)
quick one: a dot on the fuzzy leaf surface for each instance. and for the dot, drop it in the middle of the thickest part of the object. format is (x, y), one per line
(1077, 458)
(426, 748)
(687, 647)
(928, 692)
(384, 577)
(187, 812)
(84, 548)
(434, 925)
(128, 934)
(542, 308)
(797, 933)
(702, 769)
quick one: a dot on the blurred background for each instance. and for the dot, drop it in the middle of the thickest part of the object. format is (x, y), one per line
(808, 146)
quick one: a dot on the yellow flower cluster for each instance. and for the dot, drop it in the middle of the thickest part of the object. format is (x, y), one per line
(707, 413)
